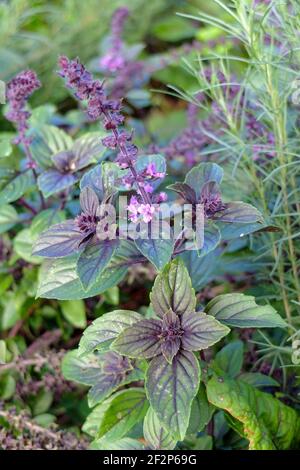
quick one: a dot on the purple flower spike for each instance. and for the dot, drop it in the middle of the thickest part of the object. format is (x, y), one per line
(114, 60)
(85, 87)
(19, 89)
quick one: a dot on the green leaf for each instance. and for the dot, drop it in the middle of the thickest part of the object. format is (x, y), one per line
(242, 311)
(127, 443)
(93, 260)
(256, 379)
(16, 187)
(10, 312)
(112, 295)
(74, 312)
(171, 388)
(201, 412)
(7, 387)
(44, 220)
(100, 334)
(126, 408)
(230, 358)
(58, 280)
(42, 402)
(199, 443)
(91, 424)
(5, 147)
(155, 434)
(173, 28)
(23, 246)
(3, 351)
(158, 251)
(201, 174)
(8, 217)
(46, 142)
(266, 422)
(173, 290)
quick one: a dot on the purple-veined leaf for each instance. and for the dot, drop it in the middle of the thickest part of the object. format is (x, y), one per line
(170, 348)
(16, 187)
(158, 251)
(201, 331)
(100, 334)
(202, 174)
(173, 290)
(48, 141)
(93, 260)
(88, 148)
(60, 240)
(52, 181)
(171, 388)
(105, 373)
(171, 324)
(89, 201)
(140, 340)
(8, 217)
(242, 311)
(185, 191)
(155, 434)
(240, 213)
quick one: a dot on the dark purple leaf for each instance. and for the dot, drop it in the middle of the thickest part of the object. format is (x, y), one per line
(140, 340)
(89, 201)
(64, 161)
(59, 241)
(52, 181)
(201, 331)
(170, 348)
(93, 260)
(185, 191)
(86, 148)
(240, 213)
(171, 389)
(202, 174)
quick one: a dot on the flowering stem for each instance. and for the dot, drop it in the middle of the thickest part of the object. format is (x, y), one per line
(123, 150)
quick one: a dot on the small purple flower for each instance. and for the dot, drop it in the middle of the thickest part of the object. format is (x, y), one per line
(139, 211)
(147, 211)
(114, 59)
(152, 172)
(18, 90)
(211, 199)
